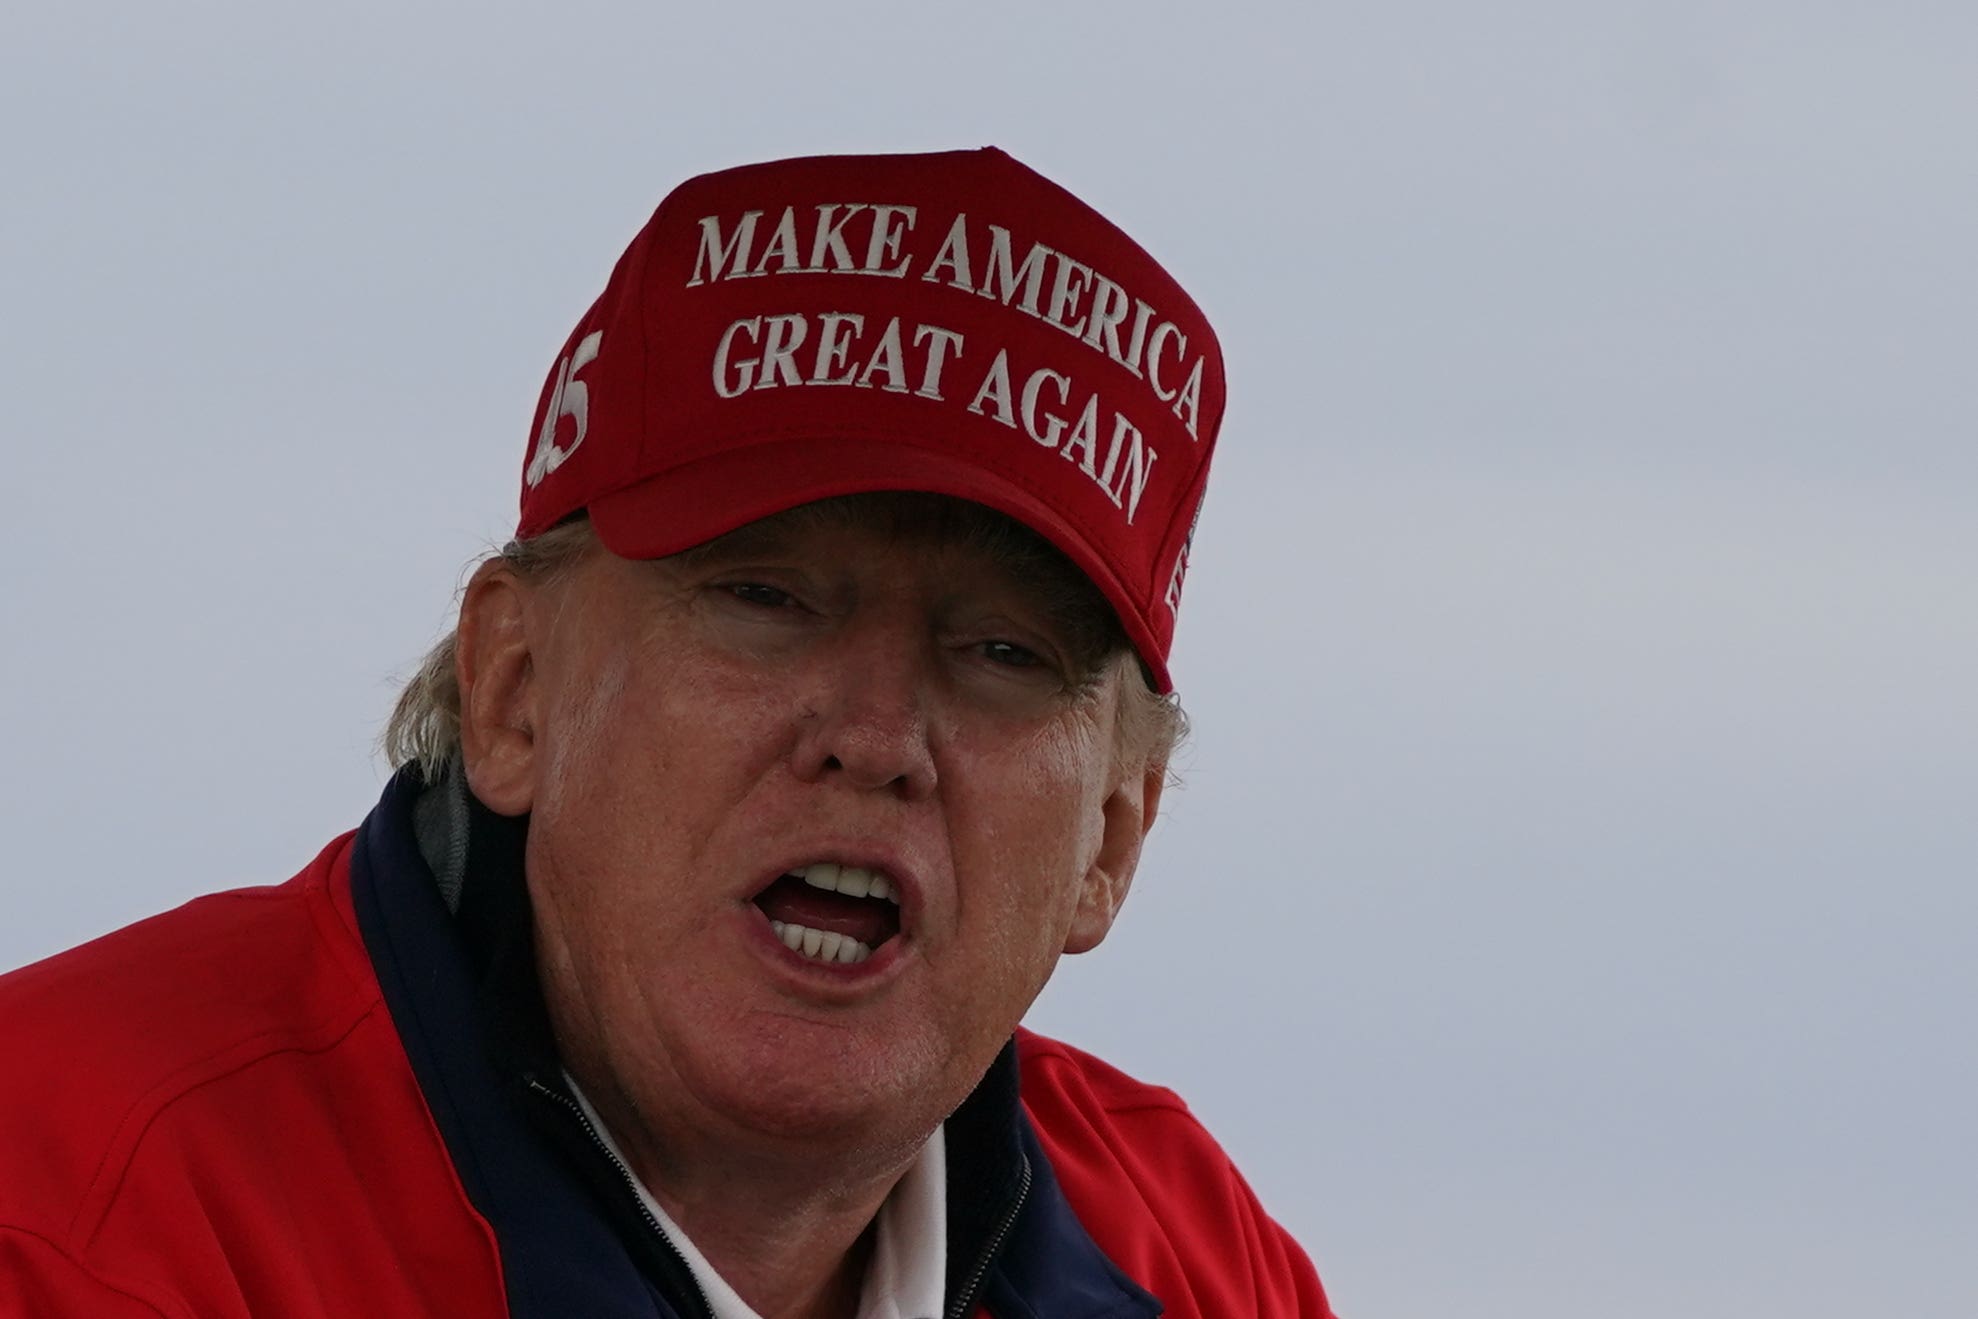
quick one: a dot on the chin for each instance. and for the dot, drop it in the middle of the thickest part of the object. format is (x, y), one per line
(798, 1080)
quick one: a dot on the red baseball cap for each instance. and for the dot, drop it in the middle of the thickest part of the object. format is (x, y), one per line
(952, 322)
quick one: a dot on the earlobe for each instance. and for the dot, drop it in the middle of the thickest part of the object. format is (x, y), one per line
(497, 690)
(1129, 813)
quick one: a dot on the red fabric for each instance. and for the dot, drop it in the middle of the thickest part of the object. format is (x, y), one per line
(208, 1115)
(1158, 1194)
(952, 322)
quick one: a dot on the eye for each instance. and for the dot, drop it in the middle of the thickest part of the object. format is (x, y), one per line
(755, 593)
(1010, 655)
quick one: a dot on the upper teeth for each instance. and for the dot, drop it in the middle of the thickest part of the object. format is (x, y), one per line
(852, 881)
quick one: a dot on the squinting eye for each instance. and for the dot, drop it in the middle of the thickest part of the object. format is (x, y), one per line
(756, 593)
(1010, 654)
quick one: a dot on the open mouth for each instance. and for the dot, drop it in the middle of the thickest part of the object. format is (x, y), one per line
(827, 912)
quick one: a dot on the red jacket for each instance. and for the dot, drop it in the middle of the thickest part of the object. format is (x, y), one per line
(212, 1114)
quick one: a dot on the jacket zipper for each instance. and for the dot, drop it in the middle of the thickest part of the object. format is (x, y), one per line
(569, 1105)
(965, 1299)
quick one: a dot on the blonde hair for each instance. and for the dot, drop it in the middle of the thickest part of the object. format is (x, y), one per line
(424, 728)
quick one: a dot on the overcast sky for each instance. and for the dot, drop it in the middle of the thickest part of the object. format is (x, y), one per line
(1571, 908)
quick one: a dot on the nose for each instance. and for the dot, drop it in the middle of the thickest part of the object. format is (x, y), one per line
(867, 721)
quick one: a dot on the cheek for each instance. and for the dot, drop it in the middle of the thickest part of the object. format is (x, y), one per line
(619, 731)
(617, 841)
(602, 804)
(647, 757)
(1068, 770)
(1035, 831)
(593, 756)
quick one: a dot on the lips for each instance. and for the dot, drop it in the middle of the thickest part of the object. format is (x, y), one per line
(830, 912)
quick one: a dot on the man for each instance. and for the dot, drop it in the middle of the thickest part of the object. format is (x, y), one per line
(819, 706)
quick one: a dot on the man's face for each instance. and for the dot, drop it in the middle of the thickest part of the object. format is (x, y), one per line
(693, 735)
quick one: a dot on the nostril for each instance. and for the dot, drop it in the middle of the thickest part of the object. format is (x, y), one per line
(865, 754)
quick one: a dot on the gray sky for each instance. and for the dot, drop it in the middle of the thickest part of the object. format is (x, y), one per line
(1571, 909)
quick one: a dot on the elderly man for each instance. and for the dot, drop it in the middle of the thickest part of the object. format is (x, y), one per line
(818, 707)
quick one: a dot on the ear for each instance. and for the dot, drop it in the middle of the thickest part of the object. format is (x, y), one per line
(496, 671)
(1128, 814)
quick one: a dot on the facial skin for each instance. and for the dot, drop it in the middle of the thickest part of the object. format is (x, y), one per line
(682, 731)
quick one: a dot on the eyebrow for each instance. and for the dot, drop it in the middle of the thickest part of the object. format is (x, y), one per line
(764, 536)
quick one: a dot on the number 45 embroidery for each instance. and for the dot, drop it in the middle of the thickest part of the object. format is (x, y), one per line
(571, 398)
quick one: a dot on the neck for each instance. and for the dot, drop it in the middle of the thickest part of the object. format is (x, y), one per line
(791, 1231)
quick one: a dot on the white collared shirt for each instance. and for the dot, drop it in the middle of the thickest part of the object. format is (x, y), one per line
(906, 1276)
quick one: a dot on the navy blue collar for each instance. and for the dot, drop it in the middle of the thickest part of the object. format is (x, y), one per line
(463, 994)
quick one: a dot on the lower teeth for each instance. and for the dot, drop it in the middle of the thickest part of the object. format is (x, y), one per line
(820, 945)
